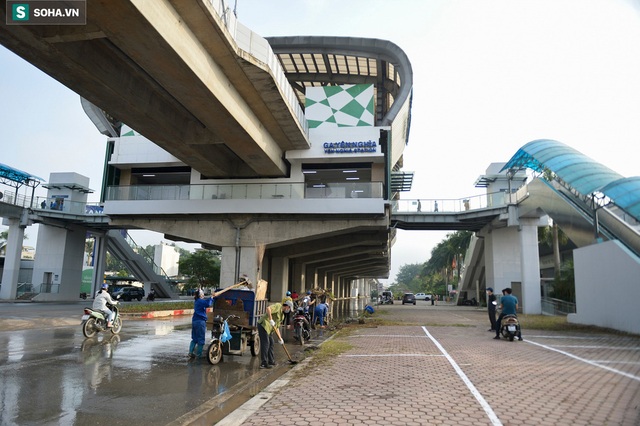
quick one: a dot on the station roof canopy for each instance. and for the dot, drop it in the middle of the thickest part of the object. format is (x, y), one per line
(18, 176)
(313, 61)
(578, 171)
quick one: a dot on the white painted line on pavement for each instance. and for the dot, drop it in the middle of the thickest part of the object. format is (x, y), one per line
(387, 355)
(598, 347)
(601, 361)
(483, 402)
(561, 337)
(413, 336)
(570, 355)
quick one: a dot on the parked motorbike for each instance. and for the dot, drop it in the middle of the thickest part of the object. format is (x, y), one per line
(301, 326)
(151, 296)
(386, 301)
(510, 327)
(94, 322)
(214, 353)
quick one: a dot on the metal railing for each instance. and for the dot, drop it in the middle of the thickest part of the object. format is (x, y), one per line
(239, 191)
(24, 288)
(157, 269)
(53, 204)
(552, 306)
(48, 288)
(66, 206)
(443, 205)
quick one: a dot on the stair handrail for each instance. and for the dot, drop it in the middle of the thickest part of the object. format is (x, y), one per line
(149, 259)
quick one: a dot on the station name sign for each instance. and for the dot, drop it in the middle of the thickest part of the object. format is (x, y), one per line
(357, 147)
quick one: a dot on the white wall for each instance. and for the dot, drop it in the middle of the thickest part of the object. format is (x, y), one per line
(502, 257)
(607, 287)
(167, 258)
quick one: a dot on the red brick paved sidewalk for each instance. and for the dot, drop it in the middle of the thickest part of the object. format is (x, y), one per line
(398, 375)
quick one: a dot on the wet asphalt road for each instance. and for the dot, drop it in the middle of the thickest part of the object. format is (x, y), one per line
(54, 376)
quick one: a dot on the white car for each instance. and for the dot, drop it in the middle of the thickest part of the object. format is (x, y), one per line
(422, 296)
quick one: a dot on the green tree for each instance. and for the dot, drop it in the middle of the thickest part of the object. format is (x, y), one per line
(564, 287)
(4, 235)
(114, 264)
(202, 267)
(552, 236)
(409, 277)
(454, 246)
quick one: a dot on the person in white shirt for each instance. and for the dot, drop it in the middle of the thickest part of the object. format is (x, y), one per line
(100, 303)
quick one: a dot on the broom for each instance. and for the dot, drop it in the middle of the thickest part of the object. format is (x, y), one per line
(244, 282)
(260, 249)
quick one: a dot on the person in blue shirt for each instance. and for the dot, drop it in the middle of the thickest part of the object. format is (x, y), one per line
(321, 311)
(509, 306)
(199, 324)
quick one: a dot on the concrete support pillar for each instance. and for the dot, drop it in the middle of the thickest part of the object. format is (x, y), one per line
(99, 262)
(502, 257)
(279, 278)
(311, 277)
(511, 260)
(12, 260)
(530, 266)
(58, 264)
(355, 288)
(238, 262)
(298, 277)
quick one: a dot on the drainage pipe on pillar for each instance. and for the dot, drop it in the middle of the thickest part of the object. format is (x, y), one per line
(238, 228)
(236, 274)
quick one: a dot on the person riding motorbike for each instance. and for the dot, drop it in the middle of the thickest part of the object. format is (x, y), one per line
(100, 303)
(509, 306)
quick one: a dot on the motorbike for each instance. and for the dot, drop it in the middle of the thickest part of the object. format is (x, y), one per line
(94, 322)
(151, 296)
(301, 326)
(217, 347)
(510, 327)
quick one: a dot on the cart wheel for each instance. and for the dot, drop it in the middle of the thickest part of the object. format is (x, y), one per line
(255, 346)
(214, 353)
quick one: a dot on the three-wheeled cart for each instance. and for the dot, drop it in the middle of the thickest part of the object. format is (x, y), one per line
(241, 311)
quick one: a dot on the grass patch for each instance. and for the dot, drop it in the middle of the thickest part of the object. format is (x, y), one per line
(132, 308)
(329, 350)
(559, 323)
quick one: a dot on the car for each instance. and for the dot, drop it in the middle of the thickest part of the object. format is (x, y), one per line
(408, 298)
(129, 293)
(423, 296)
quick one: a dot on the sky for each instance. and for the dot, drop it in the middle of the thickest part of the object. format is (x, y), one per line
(488, 77)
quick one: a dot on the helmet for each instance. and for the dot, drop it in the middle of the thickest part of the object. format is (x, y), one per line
(105, 286)
(200, 294)
(308, 291)
(288, 293)
(289, 303)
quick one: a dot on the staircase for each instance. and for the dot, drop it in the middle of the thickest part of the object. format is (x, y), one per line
(142, 267)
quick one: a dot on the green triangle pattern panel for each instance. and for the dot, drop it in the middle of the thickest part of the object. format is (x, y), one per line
(340, 106)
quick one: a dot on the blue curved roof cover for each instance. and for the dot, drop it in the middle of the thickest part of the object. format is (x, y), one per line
(576, 169)
(626, 194)
(579, 171)
(16, 175)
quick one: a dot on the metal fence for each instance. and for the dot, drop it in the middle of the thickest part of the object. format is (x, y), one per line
(552, 306)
